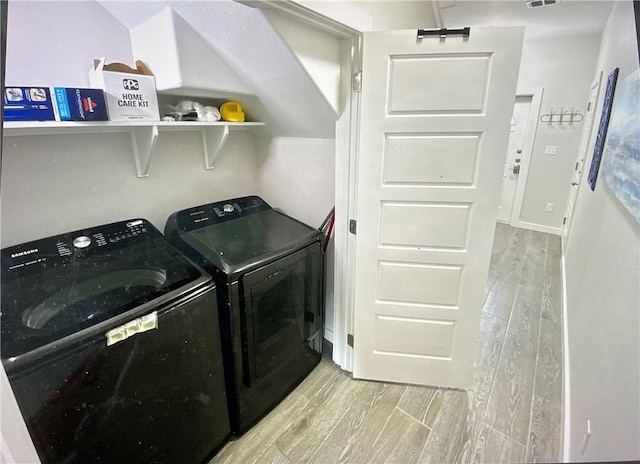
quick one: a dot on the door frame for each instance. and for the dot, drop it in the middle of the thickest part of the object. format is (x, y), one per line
(346, 150)
(585, 141)
(529, 138)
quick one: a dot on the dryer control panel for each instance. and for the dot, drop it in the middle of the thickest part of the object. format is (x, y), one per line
(222, 211)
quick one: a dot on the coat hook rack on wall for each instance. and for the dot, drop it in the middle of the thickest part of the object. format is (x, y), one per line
(562, 117)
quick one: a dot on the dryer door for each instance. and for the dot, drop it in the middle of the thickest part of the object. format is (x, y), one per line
(282, 313)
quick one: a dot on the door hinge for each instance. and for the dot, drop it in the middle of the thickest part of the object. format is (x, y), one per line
(350, 340)
(564, 220)
(352, 226)
(357, 82)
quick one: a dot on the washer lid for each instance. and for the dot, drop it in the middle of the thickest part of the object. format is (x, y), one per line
(55, 287)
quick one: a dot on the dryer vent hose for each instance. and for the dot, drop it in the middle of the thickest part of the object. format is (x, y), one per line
(327, 228)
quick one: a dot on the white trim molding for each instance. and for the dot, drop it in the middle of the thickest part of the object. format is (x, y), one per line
(538, 227)
(566, 374)
(15, 441)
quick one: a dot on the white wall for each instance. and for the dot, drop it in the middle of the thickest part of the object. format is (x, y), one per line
(397, 14)
(297, 176)
(54, 43)
(603, 274)
(374, 15)
(56, 184)
(564, 67)
(319, 52)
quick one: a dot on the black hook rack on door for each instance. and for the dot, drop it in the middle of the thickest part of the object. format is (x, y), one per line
(442, 33)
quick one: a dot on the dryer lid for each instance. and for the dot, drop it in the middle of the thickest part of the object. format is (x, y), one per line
(248, 234)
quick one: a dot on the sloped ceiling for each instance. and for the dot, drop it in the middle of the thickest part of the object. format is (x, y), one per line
(286, 97)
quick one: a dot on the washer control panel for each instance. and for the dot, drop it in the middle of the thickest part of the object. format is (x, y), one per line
(82, 242)
(130, 230)
(78, 243)
(105, 236)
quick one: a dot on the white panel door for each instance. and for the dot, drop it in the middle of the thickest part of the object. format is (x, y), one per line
(435, 120)
(579, 166)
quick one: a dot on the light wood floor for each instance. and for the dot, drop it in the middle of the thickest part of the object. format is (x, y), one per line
(512, 413)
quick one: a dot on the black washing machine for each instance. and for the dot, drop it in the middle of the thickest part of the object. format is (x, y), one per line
(111, 343)
(268, 269)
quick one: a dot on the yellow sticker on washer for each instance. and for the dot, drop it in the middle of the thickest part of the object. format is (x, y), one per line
(139, 325)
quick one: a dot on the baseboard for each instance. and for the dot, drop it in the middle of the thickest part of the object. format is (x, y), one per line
(566, 375)
(327, 349)
(328, 335)
(538, 227)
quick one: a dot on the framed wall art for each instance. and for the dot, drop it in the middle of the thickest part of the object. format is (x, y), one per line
(621, 160)
(602, 128)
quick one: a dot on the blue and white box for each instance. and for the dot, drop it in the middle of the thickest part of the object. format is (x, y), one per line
(54, 104)
(27, 104)
(74, 104)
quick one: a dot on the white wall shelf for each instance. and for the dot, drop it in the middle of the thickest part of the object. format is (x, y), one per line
(144, 134)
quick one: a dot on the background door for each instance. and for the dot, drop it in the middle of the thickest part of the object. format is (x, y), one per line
(515, 154)
(579, 166)
(435, 120)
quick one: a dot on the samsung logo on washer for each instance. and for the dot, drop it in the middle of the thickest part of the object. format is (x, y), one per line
(24, 253)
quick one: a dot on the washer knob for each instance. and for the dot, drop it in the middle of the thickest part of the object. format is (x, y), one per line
(82, 242)
(228, 208)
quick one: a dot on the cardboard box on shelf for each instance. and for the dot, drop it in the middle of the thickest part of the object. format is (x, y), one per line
(130, 93)
(74, 104)
(27, 104)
